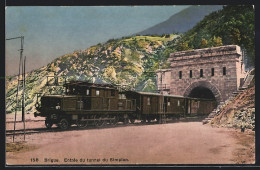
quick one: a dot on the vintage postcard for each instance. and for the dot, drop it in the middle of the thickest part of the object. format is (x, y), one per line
(130, 85)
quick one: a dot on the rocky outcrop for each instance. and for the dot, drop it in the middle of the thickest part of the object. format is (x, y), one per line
(238, 112)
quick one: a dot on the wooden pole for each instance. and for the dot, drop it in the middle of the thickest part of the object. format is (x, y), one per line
(24, 97)
(18, 79)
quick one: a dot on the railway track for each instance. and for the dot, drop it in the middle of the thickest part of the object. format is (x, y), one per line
(72, 128)
(29, 131)
(25, 121)
(57, 129)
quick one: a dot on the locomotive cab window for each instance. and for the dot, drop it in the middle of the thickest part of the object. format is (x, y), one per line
(122, 96)
(179, 103)
(87, 92)
(148, 101)
(168, 102)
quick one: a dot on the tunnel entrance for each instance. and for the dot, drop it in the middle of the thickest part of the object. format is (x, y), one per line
(202, 92)
(203, 89)
(204, 103)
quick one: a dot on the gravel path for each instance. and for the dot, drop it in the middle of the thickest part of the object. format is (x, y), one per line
(173, 143)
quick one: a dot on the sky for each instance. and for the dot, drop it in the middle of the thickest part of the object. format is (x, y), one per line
(52, 31)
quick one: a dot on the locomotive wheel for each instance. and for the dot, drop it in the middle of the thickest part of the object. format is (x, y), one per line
(82, 124)
(143, 121)
(99, 122)
(132, 120)
(114, 121)
(159, 120)
(63, 124)
(48, 123)
(126, 121)
(105, 121)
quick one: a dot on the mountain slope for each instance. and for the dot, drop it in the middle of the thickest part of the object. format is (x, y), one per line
(182, 21)
(233, 25)
(123, 61)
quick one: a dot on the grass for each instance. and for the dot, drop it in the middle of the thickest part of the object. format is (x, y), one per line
(150, 38)
(18, 147)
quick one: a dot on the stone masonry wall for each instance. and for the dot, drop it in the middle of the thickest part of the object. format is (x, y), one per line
(221, 85)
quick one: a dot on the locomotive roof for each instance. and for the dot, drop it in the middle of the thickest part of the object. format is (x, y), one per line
(58, 96)
(88, 84)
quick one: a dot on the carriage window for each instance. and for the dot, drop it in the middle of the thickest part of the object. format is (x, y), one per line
(168, 102)
(179, 103)
(148, 101)
(112, 92)
(97, 92)
(87, 92)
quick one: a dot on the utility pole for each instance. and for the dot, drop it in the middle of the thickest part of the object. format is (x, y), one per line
(23, 104)
(21, 69)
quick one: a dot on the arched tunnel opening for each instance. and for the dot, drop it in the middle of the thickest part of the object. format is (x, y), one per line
(201, 107)
(202, 92)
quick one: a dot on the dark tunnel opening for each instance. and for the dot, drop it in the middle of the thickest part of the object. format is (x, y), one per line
(202, 92)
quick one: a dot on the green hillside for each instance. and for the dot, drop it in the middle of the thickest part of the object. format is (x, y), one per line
(122, 62)
(232, 25)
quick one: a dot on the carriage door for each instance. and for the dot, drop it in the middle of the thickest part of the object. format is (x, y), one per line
(105, 99)
(79, 103)
(87, 100)
(189, 106)
(165, 104)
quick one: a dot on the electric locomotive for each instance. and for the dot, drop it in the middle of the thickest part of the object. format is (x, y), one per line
(85, 103)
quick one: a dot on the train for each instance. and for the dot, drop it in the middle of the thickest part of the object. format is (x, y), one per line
(85, 104)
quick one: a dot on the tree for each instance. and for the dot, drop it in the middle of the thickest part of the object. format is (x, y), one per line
(216, 41)
(183, 46)
(204, 43)
(234, 24)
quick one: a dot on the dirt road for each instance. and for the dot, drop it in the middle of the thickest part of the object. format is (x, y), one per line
(174, 143)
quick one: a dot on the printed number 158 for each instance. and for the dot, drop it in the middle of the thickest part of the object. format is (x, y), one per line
(34, 159)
